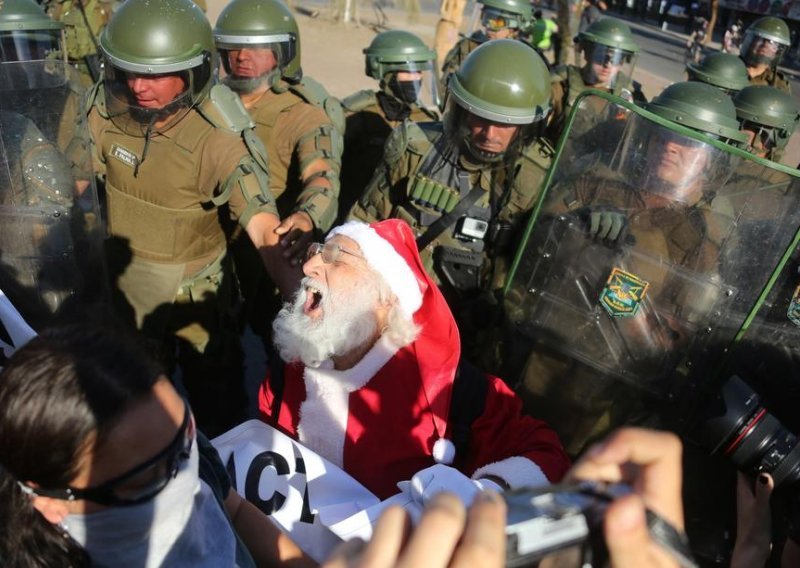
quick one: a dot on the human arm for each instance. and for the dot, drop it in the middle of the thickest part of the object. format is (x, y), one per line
(264, 540)
(753, 521)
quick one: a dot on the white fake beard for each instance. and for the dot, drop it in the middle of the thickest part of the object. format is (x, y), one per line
(348, 321)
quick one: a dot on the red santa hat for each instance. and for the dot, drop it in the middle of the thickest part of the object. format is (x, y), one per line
(389, 247)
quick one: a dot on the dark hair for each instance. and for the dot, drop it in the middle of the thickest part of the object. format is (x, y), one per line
(64, 386)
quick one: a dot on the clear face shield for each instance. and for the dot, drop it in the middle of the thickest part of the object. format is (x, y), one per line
(30, 45)
(140, 103)
(414, 83)
(258, 64)
(607, 66)
(758, 50)
(494, 23)
(670, 167)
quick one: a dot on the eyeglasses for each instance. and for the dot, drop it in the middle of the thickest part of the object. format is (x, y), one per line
(330, 252)
(141, 483)
(494, 21)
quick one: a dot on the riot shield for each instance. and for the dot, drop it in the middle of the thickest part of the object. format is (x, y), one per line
(647, 256)
(50, 229)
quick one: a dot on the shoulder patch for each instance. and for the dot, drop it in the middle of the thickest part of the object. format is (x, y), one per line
(224, 109)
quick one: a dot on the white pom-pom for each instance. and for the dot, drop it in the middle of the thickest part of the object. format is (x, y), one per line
(444, 451)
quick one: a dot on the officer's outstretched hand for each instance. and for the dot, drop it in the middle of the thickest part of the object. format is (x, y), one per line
(297, 232)
(650, 462)
(447, 535)
(606, 223)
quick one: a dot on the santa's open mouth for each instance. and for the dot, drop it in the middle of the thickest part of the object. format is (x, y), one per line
(313, 301)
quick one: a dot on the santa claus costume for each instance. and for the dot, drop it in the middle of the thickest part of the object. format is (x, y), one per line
(390, 415)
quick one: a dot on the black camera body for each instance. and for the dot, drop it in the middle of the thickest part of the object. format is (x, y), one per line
(562, 525)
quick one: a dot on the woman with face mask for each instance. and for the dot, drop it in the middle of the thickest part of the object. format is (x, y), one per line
(101, 465)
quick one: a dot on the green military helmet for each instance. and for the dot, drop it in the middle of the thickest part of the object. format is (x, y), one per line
(700, 107)
(765, 41)
(516, 13)
(144, 38)
(396, 50)
(265, 24)
(504, 81)
(27, 33)
(723, 70)
(760, 106)
(611, 33)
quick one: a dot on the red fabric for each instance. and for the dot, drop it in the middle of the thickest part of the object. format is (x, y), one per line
(397, 416)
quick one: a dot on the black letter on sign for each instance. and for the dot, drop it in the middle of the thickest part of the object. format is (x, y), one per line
(261, 462)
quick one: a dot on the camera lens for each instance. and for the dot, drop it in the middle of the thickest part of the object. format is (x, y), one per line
(739, 427)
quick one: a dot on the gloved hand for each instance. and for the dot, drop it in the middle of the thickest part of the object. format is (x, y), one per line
(437, 478)
(606, 223)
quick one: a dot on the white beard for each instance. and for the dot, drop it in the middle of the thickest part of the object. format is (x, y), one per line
(348, 321)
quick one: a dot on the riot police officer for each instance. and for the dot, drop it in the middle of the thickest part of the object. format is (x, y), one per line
(769, 117)
(623, 267)
(83, 22)
(301, 126)
(765, 41)
(722, 70)
(493, 19)
(467, 184)
(609, 53)
(181, 163)
(404, 67)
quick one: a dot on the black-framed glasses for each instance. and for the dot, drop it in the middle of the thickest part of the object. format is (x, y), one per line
(141, 483)
(330, 251)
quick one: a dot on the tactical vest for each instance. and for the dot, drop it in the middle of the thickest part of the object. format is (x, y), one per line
(435, 186)
(159, 208)
(81, 40)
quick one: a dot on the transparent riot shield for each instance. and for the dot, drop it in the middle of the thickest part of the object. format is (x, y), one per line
(50, 229)
(645, 260)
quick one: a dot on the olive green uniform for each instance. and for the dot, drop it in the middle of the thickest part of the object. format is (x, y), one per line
(773, 78)
(457, 55)
(82, 27)
(470, 273)
(371, 116)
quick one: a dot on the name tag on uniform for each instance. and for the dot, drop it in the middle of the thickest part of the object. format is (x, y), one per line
(125, 156)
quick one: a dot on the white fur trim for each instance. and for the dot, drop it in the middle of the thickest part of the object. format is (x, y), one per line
(386, 261)
(444, 451)
(516, 471)
(328, 398)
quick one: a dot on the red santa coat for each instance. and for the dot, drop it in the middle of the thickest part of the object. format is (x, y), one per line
(379, 421)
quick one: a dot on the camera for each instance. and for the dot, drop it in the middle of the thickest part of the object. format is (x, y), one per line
(562, 525)
(736, 425)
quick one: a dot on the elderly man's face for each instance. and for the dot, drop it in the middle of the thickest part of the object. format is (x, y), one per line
(336, 309)
(155, 91)
(251, 62)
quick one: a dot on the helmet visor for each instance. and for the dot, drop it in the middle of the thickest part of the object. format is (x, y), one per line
(761, 139)
(29, 45)
(607, 67)
(414, 82)
(493, 22)
(256, 62)
(140, 103)
(758, 50)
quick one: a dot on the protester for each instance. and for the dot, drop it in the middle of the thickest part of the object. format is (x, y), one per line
(99, 465)
(375, 383)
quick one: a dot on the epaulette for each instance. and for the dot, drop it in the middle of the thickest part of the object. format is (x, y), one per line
(224, 109)
(359, 101)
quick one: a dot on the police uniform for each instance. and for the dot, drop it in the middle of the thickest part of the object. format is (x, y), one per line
(773, 78)
(82, 26)
(371, 117)
(169, 196)
(458, 54)
(418, 182)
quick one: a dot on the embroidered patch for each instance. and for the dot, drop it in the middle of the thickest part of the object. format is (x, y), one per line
(125, 156)
(793, 313)
(623, 293)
